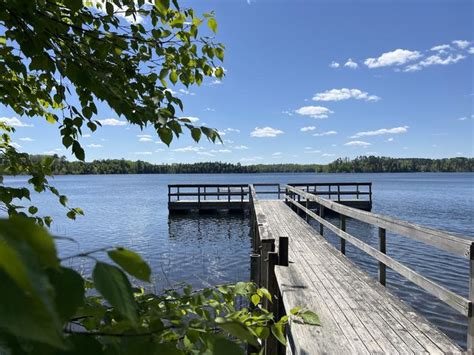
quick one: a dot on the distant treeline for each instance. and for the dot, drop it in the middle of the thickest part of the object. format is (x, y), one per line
(362, 164)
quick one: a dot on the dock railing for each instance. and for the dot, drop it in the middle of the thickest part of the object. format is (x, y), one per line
(457, 245)
(205, 192)
(337, 191)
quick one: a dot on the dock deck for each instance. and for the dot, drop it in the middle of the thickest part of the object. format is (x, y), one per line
(358, 315)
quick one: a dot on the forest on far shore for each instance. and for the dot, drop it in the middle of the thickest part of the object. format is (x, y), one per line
(362, 164)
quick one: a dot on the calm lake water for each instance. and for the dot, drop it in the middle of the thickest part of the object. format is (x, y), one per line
(131, 211)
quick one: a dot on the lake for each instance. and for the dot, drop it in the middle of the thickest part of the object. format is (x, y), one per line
(131, 211)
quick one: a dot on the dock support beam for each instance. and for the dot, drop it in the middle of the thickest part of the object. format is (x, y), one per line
(470, 317)
(383, 249)
(342, 220)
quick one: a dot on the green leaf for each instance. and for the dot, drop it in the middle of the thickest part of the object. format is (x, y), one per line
(196, 134)
(212, 23)
(295, 310)
(131, 262)
(113, 284)
(33, 209)
(221, 345)
(278, 332)
(237, 330)
(255, 299)
(69, 291)
(174, 76)
(310, 317)
(162, 5)
(166, 135)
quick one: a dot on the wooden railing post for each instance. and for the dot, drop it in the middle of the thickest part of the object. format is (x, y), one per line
(470, 317)
(321, 214)
(205, 194)
(343, 228)
(338, 193)
(283, 251)
(199, 194)
(254, 268)
(271, 345)
(357, 189)
(267, 246)
(383, 249)
(177, 191)
(169, 193)
(279, 191)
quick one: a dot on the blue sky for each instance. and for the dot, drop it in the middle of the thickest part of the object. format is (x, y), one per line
(310, 81)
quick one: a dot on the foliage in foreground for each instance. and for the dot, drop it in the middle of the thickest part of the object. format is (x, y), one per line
(47, 308)
(61, 60)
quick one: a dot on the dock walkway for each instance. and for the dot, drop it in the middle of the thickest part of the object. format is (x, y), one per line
(358, 315)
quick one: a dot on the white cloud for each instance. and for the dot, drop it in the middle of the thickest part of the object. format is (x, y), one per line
(461, 44)
(221, 151)
(240, 147)
(344, 94)
(334, 65)
(396, 57)
(27, 139)
(351, 64)
(215, 82)
(390, 139)
(209, 109)
(87, 135)
(14, 122)
(357, 144)
(93, 145)
(323, 134)
(312, 151)
(232, 130)
(143, 153)
(287, 112)
(277, 154)
(206, 153)
(188, 149)
(471, 50)
(441, 48)
(307, 128)
(314, 111)
(186, 92)
(395, 130)
(145, 139)
(465, 118)
(265, 132)
(250, 159)
(144, 135)
(435, 60)
(159, 150)
(328, 155)
(112, 122)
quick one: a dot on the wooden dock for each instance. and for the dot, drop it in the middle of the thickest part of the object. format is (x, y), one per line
(358, 314)
(235, 197)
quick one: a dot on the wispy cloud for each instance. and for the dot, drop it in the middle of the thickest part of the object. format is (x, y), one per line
(344, 94)
(250, 159)
(323, 134)
(461, 43)
(357, 144)
(307, 128)
(186, 92)
(112, 122)
(265, 132)
(334, 65)
(314, 111)
(435, 60)
(240, 147)
(351, 64)
(396, 57)
(276, 154)
(143, 153)
(287, 112)
(14, 122)
(382, 131)
(27, 139)
(188, 149)
(93, 145)
(312, 151)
